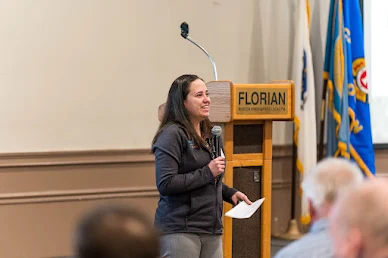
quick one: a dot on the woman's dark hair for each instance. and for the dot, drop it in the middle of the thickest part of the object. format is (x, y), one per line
(175, 111)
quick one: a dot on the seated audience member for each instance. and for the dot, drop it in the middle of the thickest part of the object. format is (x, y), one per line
(328, 179)
(116, 232)
(359, 222)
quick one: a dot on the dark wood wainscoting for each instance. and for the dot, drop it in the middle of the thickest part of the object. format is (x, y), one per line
(43, 194)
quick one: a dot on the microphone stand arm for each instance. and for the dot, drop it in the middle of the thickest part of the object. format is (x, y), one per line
(208, 55)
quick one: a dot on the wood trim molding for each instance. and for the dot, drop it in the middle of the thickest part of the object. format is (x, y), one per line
(77, 195)
(88, 157)
(35, 162)
(281, 151)
(84, 157)
(280, 184)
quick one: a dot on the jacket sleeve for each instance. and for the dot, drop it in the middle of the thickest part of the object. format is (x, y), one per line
(227, 193)
(168, 154)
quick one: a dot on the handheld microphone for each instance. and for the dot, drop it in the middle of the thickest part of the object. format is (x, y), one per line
(185, 35)
(216, 132)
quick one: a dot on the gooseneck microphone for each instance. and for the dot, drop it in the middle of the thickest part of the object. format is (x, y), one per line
(216, 132)
(185, 35)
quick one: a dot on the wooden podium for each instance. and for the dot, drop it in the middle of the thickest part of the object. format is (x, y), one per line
(246, 113)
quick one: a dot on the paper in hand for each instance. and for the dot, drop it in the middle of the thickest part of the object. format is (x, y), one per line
(243, 210)
(222, 154)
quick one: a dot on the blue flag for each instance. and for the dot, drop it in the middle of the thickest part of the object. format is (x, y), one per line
(348, 127)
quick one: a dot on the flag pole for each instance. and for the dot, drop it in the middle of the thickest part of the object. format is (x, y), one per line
(322, 123)
(293, 232)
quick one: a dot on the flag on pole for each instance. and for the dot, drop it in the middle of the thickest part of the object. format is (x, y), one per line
(305, 134)
(348, 129)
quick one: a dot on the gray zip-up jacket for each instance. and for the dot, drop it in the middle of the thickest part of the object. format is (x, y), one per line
(190, 198)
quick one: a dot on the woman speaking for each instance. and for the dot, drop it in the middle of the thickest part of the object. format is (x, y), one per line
(188, 176)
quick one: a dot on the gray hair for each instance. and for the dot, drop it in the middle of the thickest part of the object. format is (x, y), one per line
(329, 178)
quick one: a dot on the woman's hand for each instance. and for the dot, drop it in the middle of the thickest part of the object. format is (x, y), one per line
(239, 196)
(217, 166)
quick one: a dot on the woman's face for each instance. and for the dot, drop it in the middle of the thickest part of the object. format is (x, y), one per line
(197, 102)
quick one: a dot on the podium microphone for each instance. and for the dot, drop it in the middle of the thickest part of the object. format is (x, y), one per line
(185, 35)
(216, 132)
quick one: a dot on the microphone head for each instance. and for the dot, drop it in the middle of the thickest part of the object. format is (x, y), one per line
(217, 130)
(184, 29)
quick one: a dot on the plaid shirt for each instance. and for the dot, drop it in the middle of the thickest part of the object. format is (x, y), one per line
(316, 244)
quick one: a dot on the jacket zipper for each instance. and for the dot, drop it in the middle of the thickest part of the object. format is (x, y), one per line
(215, 215)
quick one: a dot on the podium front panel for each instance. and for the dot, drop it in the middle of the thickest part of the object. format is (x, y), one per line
(246, 232)
(248, 138)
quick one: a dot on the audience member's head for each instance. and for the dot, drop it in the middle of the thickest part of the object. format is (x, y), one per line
(328, 179)
(359, 222)
(116, 232)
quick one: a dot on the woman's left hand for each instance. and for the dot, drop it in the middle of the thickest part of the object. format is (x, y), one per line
(239, 196)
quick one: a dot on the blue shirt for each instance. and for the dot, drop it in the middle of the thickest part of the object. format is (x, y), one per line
(317, 243)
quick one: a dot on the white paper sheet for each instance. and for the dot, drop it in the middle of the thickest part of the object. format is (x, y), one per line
(222, 153)
(243, 210)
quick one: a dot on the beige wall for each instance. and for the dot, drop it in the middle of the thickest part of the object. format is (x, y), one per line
(90, 74)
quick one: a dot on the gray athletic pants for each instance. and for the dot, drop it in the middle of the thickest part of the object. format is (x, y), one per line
(191, 245)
